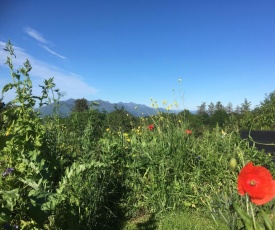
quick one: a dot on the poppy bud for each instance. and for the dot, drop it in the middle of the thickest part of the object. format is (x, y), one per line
(232, 164)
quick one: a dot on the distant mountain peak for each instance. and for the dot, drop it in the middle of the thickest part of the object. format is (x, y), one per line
(131, 107)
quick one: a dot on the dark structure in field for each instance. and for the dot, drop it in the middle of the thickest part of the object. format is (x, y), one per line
(264, 140)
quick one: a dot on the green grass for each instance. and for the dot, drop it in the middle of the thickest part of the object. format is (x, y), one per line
(179, 221)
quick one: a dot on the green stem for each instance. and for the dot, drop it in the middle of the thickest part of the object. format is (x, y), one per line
(253, 216)
(247, 202)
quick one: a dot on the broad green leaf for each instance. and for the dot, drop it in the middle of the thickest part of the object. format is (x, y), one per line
(267, 221)
(7, 87)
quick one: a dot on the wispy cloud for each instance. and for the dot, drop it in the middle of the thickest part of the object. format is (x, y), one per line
(72, 84)
(53, 52)
(36, 35)
(39, 37)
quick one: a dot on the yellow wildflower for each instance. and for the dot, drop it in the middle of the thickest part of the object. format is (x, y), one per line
(8, 131)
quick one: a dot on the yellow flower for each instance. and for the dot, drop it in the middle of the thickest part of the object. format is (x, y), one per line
(8, 131)
(223, 133)
(168, 107)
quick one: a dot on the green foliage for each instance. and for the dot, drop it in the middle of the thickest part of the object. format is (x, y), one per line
(120, 120)
(80, 105)
(199, 122)
(8, 201)
(95, 170)
(2, 108)
(219, 117)
(23, 151)
(264, 116)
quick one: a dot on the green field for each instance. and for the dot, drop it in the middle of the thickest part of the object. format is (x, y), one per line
(96, 170)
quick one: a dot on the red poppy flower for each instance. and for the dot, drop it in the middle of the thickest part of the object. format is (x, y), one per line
(151, 127)
(257, 182)
(188, 131)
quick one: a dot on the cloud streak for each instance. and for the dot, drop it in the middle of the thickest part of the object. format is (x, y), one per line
(53, 52)
(39, 37)
(36, 35)
(70, 83)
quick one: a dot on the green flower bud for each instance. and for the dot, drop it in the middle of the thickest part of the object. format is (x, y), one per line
(232, 164)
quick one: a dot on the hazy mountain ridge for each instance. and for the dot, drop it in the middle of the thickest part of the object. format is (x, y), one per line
(135, 109)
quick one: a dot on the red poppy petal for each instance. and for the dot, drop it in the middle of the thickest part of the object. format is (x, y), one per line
(242, 178)
(259, 187)
(270, 193)
(241, 190)
(254, 180)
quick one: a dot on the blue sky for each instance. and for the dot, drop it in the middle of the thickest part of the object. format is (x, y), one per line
(135, 50)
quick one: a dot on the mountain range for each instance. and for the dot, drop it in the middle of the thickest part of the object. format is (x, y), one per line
(138, 110)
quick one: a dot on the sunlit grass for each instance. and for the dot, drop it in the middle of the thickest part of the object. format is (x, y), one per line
(179, 220)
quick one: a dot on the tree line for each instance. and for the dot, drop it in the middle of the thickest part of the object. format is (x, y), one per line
(206, 117)
(242, 117)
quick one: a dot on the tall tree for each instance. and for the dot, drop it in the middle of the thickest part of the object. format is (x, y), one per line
(265, 113)
(120, 119)
(229, 108)
(238, 109)
(219, 117)
(201, 108)
(245, 106)
(211, 108)
(80, 105)
(202, 115)
(219, 106)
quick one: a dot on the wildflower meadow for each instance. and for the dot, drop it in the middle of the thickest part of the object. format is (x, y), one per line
(96, 170)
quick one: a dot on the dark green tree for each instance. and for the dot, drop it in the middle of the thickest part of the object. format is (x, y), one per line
(219, 117)
(80, 105)
(196, 121)
(211, 108)
(237, 109)
(245, 106)
(264, 115)
(229, 108)
(219, 106)
(202, 108)
(121, 120)
(202, 116)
